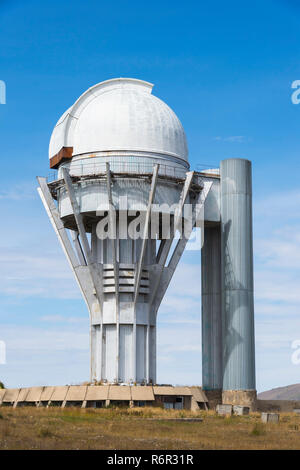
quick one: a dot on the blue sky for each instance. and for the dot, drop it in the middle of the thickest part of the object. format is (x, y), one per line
(226, 69)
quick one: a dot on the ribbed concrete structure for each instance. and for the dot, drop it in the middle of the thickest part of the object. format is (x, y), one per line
(120, 151)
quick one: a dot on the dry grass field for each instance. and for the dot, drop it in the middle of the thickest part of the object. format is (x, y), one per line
(147, 428)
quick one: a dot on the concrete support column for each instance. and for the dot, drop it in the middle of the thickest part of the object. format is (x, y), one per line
(211, 310)
(112, 348)
(237, 282)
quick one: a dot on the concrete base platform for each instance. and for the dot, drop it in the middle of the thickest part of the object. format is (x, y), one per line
(270, 417)
(214, 398)
(224, 410)
(97, 396)
(240, 397)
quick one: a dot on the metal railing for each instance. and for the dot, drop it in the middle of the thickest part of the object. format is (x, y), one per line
(128, 168)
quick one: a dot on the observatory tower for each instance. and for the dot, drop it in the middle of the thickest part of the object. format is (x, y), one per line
(122, 170)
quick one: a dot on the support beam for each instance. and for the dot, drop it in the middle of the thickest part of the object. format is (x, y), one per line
(169, 270)
(165, 247)
(145, 233)
(82, 273)
(82, 276)
(56, 222)
(95, 274)
(139, 269)
(148, 350)
(78, 247)
(112, 221)
(160, 250)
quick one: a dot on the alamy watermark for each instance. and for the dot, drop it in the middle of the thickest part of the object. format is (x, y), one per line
(296, 354)
(2, 92)
(2, 352)
(165, 222)
(295, 97)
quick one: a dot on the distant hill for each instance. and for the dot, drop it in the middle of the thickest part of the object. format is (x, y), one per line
(290, 392)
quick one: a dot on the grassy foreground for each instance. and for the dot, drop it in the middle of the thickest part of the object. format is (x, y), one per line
(71, 428)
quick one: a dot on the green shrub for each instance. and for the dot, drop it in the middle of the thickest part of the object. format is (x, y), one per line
(258, 430)
(45, 432)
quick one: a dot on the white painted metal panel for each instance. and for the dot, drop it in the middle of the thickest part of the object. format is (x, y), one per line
(136, 191)
(237, 275)
(126, 251)
(120, 114)
(152, 365)
(140, 353)
(110, 352)
(125, 365)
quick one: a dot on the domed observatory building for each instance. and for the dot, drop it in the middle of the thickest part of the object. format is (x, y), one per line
(122, 171)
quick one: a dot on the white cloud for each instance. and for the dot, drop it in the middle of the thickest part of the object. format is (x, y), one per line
(25, 273)
(182, 301)
(18, 192)
(49, 339)
(231, 138)
(281, 249)
(276, 286)
(277, 291)
(271, 309)
(63, 319)
(281, 207)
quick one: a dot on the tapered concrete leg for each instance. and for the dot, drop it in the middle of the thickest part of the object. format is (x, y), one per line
(211, 310)
(237, 270)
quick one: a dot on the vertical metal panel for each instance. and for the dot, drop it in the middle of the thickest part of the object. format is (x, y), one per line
(93, 348)
(96, 346)
(211, 310)
(126, 251)
(137, 249)
(140, 353)
(110, 356)
(152, 365)
(237, 270)
(129, 250)
(125, 363)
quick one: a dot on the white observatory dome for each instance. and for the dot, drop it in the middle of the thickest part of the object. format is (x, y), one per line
(116, 116)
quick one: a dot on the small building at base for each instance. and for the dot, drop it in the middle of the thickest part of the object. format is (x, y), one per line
(100, 396)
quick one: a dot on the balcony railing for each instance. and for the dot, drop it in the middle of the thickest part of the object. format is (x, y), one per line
(124, 168)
